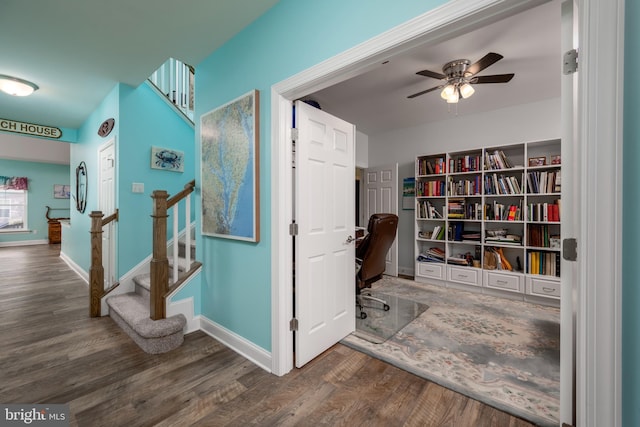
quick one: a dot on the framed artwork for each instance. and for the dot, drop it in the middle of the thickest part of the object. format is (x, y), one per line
(230, 169)
(537, 161)
(167, 159)
(556, 159)
(408, 193)
(61, 191)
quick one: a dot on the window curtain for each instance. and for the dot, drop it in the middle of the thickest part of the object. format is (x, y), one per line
(13, 183)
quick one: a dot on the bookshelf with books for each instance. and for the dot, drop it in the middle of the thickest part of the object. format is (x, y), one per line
(490, 219)
(431, 224)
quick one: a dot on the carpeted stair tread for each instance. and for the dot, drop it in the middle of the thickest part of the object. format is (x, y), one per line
(134, 310)
(144, 281)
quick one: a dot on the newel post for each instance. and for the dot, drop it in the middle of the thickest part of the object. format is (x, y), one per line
(159, 268)
(96, 272)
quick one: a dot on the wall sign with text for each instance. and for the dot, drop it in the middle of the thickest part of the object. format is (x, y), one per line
(30, 129)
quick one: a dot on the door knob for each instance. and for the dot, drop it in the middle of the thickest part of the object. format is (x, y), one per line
(350, 239)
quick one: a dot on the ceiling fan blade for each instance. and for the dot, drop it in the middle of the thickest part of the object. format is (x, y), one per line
(423, 92)
(432, 74)
(487, 60)
(496, 78)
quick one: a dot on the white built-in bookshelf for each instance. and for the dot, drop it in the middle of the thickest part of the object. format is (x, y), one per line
(489, 219)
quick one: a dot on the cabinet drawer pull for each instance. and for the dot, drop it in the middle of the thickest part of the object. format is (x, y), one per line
(548, 289)
(463, 276)
(502, 282)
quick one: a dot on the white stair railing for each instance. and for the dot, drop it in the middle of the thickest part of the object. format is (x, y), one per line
(159, 266)
(175, 80)
(176, 237)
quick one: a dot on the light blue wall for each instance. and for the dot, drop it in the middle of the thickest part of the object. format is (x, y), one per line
(631, 225)
(42, 177)
(145, 121)
(76, 241)
(142, 119)
(292, 36)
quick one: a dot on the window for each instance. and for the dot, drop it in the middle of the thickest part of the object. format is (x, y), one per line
(13, 210)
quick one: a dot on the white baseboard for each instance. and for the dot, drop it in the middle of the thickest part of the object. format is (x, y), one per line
(24, 243)
(240, 345)
(75, 267)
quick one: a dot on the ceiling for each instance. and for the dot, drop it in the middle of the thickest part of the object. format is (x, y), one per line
(77, 50)
(377, 101)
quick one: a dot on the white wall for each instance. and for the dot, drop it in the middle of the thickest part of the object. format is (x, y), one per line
(528, 122)
(362, 150)
(17, 147)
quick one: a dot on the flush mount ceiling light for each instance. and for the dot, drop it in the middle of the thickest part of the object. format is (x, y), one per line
(16, 87)
(458, 77)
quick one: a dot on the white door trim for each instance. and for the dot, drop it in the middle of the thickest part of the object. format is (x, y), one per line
(599, 308)
(600, 114)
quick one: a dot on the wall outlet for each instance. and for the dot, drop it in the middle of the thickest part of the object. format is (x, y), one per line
(34, 231)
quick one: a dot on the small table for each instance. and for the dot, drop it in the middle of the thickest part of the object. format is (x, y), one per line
(55, 231)
(55, 228)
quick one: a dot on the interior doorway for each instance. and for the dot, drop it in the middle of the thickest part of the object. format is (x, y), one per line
(424, 31)
(106, 204)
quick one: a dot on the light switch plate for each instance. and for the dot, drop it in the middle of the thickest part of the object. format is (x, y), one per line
(137, 187)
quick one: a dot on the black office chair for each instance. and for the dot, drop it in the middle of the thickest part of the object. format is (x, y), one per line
(371, 256)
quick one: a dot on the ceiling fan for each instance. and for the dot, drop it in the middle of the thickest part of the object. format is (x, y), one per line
(460, 75)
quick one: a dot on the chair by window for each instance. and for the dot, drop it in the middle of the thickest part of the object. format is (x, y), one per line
(371, 256)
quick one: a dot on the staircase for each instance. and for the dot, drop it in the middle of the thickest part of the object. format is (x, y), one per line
(131, 311)
(141, 313)
(174, 81)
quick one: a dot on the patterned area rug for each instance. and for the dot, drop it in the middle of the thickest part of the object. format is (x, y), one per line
(503, 353)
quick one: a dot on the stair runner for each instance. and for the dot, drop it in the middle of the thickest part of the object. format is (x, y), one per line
(131, 312)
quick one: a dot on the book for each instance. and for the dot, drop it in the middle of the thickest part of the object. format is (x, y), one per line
(458, 227)
(555, 213)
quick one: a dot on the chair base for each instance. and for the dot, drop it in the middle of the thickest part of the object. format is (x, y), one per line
(360, 297)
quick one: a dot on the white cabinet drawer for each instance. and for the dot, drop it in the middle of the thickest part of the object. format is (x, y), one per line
(504, 281)
(430, 269)
(543, 287)
(466, 275)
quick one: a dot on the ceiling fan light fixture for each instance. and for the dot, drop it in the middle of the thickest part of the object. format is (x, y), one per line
(16, 87)
(453, 98)
(466, 90)
(448, 91)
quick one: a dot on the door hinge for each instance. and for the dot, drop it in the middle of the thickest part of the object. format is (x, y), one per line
(293, 229)
(570, 249)
(294, 134)
(293, 154)
(293, 324)
(570, 62)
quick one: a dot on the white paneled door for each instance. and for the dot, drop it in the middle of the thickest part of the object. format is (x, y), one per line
(324, 246)
(106, 204)
(381, 196)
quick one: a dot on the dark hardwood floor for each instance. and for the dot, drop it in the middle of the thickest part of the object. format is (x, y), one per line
(53, 352)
